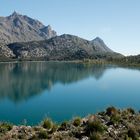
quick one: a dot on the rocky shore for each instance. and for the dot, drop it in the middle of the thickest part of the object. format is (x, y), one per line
(111, 124)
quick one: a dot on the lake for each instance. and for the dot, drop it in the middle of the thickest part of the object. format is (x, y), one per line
(31, 91)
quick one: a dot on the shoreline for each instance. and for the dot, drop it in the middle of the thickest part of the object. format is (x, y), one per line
(84, 62)
(107, 125)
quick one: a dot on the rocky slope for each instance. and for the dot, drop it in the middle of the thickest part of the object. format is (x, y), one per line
(21, 28)
(64, 47)
(5, 52)
(99, 43)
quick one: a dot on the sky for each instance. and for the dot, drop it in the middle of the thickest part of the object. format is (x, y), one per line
(117, 22)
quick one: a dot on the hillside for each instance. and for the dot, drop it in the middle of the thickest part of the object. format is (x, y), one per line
(133, 59)
(64, 47)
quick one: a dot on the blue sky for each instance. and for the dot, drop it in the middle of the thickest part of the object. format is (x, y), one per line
(117, 22)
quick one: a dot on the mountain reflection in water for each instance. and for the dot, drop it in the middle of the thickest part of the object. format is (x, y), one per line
(20, 81)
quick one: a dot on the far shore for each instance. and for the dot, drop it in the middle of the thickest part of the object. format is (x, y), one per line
(117, 62)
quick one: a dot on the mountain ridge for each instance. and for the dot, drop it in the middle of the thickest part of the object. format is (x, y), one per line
(22, 37)
(21, 28)
(63, 47)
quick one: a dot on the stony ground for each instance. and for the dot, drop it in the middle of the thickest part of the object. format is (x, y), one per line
(112, 124)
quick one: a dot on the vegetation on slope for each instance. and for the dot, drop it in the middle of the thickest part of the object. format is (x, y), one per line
(108, 125)
(128, 60)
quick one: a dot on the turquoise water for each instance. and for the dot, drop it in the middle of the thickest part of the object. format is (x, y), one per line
(32, 91)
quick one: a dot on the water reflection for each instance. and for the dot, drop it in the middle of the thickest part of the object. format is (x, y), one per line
(32, 90)
(20, 81)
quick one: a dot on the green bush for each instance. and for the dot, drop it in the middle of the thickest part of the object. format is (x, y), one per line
(95, 136)
(132, 134)
(115, 118)
(4, 127)
(42, 134)
(111, 111)
(63, 125)
(130, 110)
(54, 128)
(76, 132)
(77, 121)
(94, 126)
(47, 123)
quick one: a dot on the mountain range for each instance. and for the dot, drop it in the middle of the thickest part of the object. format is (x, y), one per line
(22, 37)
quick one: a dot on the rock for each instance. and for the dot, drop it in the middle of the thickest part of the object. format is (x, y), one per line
(5, 52)
(85, 138)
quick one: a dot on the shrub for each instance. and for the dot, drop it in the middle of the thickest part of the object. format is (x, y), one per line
(133, 134)
(95, 136)
(42, 134)
(47, 123)
(77, 121)
(115, 118)
(4, 127)
(77, 132)
(54, 128)
(130, 110)
(111, 111)
(94, 126)
(34, 137)
(63, 125)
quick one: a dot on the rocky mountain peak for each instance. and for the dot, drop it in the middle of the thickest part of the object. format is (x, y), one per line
(98, 38)
(99, 43)
(49, 27)
(14, 13)
(21, 28)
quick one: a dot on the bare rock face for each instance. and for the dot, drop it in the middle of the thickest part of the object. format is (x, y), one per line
(5, 52)
(21, 28)
(48, 32)
(99, 44)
